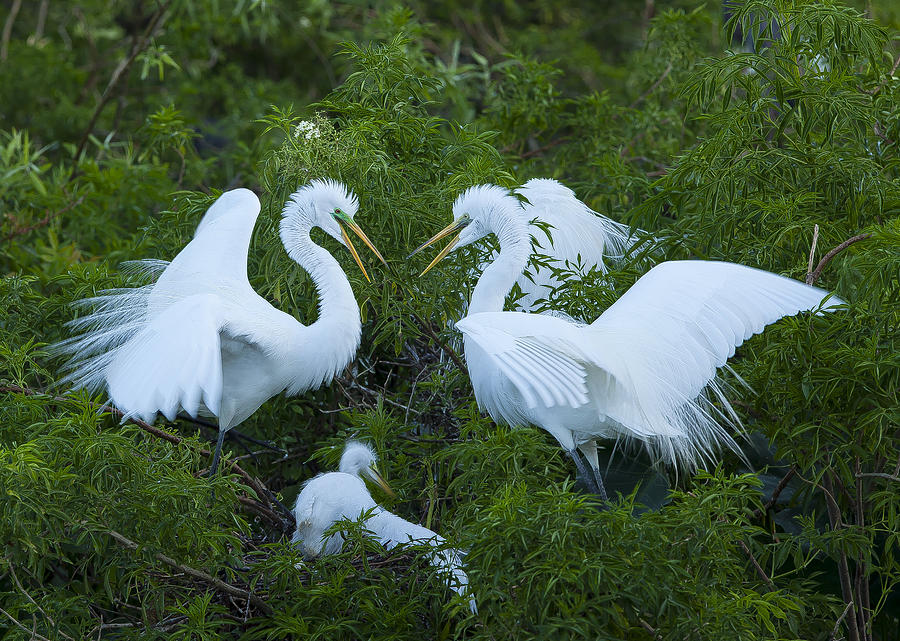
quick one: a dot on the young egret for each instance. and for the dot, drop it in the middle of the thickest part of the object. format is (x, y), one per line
(577, 234)
(328, 498)
(644, 370)
(200, 339)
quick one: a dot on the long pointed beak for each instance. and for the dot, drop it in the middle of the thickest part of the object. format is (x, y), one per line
(362, 235)
(456, 225)
(376, 476)
(353, 251)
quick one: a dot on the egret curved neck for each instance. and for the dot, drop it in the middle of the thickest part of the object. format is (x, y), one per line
(499, 277)
(337, 304)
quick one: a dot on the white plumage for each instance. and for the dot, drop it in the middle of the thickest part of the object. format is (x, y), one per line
(200, 339)
(645, 369)
(577, 236)
(328, 498)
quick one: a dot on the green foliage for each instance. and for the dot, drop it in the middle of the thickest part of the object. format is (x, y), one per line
(123, 121)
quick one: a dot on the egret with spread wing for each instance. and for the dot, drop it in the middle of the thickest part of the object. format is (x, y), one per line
(200, 339)
(328, 498)
(644, 370)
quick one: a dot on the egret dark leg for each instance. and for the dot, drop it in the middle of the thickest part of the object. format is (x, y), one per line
(215, 462)
(589, 449)
(594, 482)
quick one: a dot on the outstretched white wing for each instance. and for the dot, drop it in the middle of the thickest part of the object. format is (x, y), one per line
(644, 364)
(216, 259)
(127, 325)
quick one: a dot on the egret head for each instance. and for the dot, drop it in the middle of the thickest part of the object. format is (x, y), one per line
(359, 459)
(477, 212)
(329, 205)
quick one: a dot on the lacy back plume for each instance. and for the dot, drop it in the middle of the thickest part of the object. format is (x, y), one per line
(115, 316)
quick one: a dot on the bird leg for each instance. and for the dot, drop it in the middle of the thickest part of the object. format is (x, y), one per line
(589, 450)
(589, 478)
(218, 452)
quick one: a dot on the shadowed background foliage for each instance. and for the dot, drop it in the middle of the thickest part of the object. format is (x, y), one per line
(120, 122)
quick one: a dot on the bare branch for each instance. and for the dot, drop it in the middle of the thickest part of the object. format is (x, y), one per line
(813, 277)
(756, 565)
(7, 32)
(838, 622)
(653, 87)
(138, 46)
(15, 577)
(757, 513)
(34, 635)
(18, 231)
(812, 253)
(197, 574)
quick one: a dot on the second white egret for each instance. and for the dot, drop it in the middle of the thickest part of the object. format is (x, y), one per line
(644, 370)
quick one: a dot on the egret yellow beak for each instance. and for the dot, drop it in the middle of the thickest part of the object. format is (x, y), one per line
(456, 225)
(349, 222)
(373, 474)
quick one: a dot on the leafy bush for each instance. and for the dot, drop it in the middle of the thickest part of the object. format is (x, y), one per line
(123, 121)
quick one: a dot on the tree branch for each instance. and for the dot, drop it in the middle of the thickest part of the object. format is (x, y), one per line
(18, 231)
(197, 574)
(814, 276)
(138, 46)
(756, 565)
(653, 87)
(759, 512)
(7, 32)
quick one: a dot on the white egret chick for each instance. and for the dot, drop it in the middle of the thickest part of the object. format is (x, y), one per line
(201, 340)
(334, 496)
(644, 370)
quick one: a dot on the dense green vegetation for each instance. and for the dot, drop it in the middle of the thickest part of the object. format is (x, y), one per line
(121, 121)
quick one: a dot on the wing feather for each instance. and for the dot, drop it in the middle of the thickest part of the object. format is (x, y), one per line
(649, 363)
(171, 363)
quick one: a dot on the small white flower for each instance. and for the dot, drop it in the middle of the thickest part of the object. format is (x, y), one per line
(307, 130)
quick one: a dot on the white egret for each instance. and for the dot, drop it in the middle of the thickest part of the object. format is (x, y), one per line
(644, 370)
(577, 234)
(200, 339)
(328, 498)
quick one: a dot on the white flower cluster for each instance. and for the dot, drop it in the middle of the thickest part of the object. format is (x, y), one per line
(307, 129)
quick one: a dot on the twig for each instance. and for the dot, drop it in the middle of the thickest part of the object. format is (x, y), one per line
(653, 87)
(197, 574)
(880, 475)
(34, 634)
(756, 565)
(43, 221)
(12, 572)
(757, 513)
(540, 150)
(447, 349)
(7, 32)
(884, 80)
(139, 44)
(837, 623)
(834, 516)
(812, 254)
(812, 278)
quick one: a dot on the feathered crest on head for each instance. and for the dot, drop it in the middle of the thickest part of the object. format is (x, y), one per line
(482, 198)
(357, 456)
